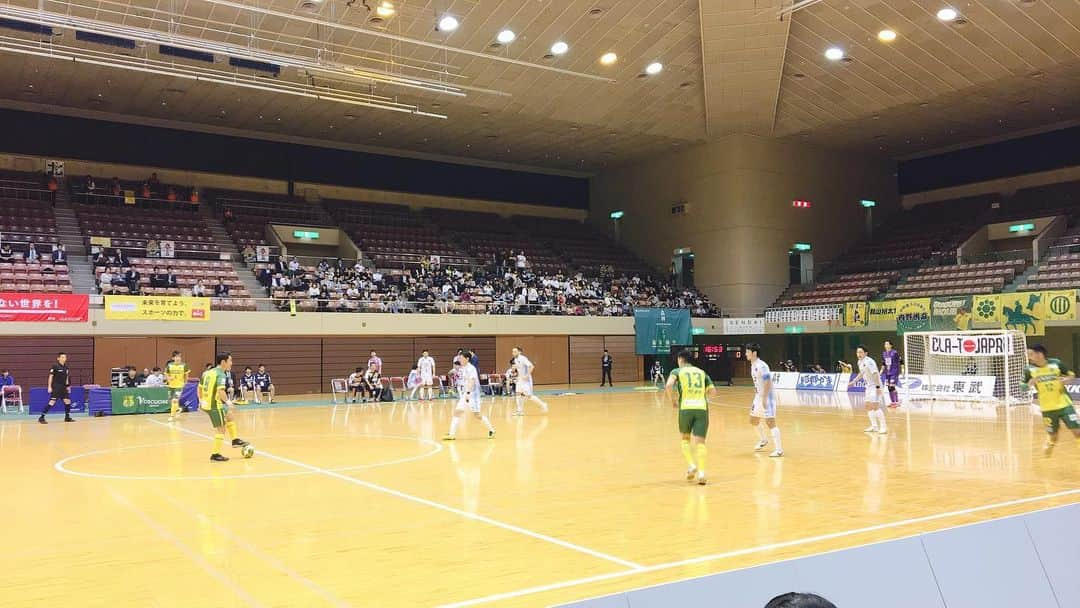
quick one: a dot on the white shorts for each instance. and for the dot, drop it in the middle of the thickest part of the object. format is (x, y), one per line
(768, 410)
(426, 379)
(524, 387)
(473, 405)
(873, 395)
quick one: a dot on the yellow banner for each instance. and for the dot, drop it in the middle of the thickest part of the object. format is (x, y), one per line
(856, 314)
(1024, 311)
(882, 311)
(157, 308)
(1061, 305)
(101, 241)
(129, 197)
(913, 315)
(986, 311)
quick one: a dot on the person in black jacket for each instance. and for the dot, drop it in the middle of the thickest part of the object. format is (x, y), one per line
(606, 362)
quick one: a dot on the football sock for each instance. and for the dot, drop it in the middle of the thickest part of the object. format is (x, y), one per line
(231, 428)
(454, 424)
(761, 432)
(219, 440)
(688, 454)
(776, 439)
(543, 406)
(702, 451)
(487, 423)
(173, 406)
(871, 414)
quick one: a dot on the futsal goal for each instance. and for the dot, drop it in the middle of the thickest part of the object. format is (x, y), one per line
(965, 366)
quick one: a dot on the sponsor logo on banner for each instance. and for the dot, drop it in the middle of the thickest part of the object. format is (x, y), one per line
(974, 345)
(986, 310)
(744, 325)
(1072, 386)
(801, 314)
(882, 311)
(817, 382)
(157, 308)
(785, 380)
(1061, 305)
(36, 308)
(856, 387)
(913, 315)
(946, 387)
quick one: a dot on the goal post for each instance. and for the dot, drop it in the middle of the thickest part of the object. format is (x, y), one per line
(965, 365)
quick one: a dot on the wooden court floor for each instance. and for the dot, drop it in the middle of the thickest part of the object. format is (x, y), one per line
(363, 506)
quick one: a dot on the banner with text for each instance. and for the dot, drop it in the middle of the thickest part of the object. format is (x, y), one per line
(153, 400)
(744, 326)
(1061, 305)
(973, 345)
(947, 387)
(912, 315)
(817, 382)
(43, 308)
(856, 314)
(883, 311)
(163, 308)
(951, 313)
(656, 330)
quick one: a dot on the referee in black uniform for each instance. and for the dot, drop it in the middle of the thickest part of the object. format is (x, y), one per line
(605, 365)
(59, 388)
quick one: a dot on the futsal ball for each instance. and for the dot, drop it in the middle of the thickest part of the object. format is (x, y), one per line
(247, 451)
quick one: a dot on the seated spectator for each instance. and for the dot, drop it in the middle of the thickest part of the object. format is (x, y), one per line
(115, 188)
(342, 304)
(156, 378)
(248, 254)
(280, 282)
(263, 384)
(247, 385)
(131, 280)
(313, 291)
(264, 277)
(31, 255)
(145, 191)
(228, 218)
(105, 281)
(121, 260)
(153, 182)
(59, 254)
(170, 278)
(294, 265)
(356, 385)
(221, 290)
(6, 379)
(153, 249)
(372, 384)
(158, 279)
(171, 196)
(198, 290)
(129, 379)
(6, 254)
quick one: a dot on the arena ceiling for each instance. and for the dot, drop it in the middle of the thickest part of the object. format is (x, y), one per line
(729, 66)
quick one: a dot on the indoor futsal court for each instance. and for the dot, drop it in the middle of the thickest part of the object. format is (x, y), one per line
(362, 505)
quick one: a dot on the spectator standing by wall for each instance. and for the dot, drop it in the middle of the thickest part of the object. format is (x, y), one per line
(606, 363)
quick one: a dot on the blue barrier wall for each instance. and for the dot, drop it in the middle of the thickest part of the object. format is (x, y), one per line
(1029, 561)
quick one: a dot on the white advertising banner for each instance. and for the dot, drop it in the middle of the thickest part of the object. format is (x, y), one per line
(974, 345)
(744, 326)
(785, 380)
(947, 387)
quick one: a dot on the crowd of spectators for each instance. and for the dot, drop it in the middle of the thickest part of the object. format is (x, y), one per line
(33, 252)
(147, 192)
(337, 285)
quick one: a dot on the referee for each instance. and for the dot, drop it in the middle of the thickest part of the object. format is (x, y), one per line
(59, 388)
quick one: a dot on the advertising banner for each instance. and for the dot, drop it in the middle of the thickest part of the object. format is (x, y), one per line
(912, 315)
(140, 400)
(656, 329)
(785, 380)
(883, 311)
(1024, 311)
(1061, 305)
(856, 314)
(974, 345)
(945, 387)
(855, 387)
(161, 308)
(1072, 386)
(952, 313)
(31, 308)
(744, 326)
(817, 382)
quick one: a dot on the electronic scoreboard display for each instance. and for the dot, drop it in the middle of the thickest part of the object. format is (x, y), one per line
(718, 360)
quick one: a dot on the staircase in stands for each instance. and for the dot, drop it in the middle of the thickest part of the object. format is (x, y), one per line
(80, 269)
(228, 248)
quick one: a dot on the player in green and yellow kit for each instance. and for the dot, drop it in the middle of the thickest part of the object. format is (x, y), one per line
(176, 374)
(214, 400)
(688, 387)
(1045, 376)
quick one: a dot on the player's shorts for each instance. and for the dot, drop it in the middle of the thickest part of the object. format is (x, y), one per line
(766, 410)
(264, 387)
(427, 379)
(217, 415)
(473, 405)
(1066, 415)
(694, 422)
(60, 393)
(891, 380)
(524, 387)
(873, 395)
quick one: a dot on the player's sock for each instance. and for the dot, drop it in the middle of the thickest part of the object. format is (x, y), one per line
(543, 405)
(219, 440)
(761, 432)
(173, 406)
(881, 419)
(520, 401)
(453, 425)
(487, 423)
(892, 394)
(702, 452)
(231, 428)
(776, 439)
(688, 454)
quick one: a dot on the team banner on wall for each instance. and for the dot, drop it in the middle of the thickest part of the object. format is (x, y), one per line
(42, 308)
(1061, 305)
(856, 314)
(164, 308)
(986, 311)
(912, 315)
(1024, 311)
(817, 382)
(153, 400)
(883, 311)
(656, 330)
(951, 313)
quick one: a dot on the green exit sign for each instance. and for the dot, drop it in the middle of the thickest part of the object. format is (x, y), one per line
(868, 204)
(794, 329)
(617, 215)
(307, 235)
(697, 331)
(801, 247)
(1021, 227)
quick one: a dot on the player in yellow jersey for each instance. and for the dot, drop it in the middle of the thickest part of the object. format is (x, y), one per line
(214, 400)
(176, 374)
(688, 387)
(1045, 376)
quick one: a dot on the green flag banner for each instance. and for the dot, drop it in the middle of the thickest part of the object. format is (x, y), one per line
(950, 313)
(912, 315)
(656, 330)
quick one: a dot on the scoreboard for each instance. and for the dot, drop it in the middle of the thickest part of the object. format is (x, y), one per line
(718, 360)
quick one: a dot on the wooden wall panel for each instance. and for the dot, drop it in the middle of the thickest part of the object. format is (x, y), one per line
(443, 348)
(550, 355)
(295, 364)
(197, 352)
(585, 353)
(119, 352)
(30, 357)
(628, 366)
(343, 355)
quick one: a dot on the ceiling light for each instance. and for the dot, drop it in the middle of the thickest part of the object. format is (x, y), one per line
(385, 9)
(654, 68)
(886, 35)
(559, 48)
(608, 58)
(834, 53)
(948, 14)
(448, 24)
(506, 36)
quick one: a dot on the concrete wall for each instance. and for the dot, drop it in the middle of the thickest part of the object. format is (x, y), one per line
(741, 223)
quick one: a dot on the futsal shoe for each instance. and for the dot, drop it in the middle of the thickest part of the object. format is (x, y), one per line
(68, 419)
(777, 454)
(491, 434)
(41, 419)
(870, 429)
(883, 431)
(691, 473)
(449, 438)
(1048, 448)
(218, 458)
(238, 443)
(700, 478)
(761, 445)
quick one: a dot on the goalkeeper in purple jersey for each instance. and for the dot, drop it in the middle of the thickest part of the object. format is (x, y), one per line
(890, 371)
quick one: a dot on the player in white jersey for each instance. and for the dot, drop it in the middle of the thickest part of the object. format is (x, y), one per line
(868, 372)
(469, 389)
(524, 369)
(764, 408)
(426, 365)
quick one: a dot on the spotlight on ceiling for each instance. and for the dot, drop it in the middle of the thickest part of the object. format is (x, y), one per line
(448, 24)
(608, 58)
(654, 68)
(948, 14)
(385, 9)
(559, 48)
(506, 36)
(886, 35)
(834, 53)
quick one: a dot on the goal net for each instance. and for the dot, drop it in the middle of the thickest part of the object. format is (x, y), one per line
(965, 365)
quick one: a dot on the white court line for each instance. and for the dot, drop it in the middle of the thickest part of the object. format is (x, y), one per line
(270, 560)
(749, 550)
(435, 505)
(186, 550)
